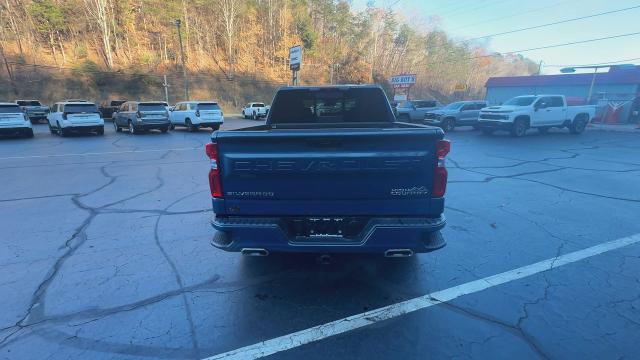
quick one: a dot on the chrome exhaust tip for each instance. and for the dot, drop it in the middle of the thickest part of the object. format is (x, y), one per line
(398, 253)
(254, 252)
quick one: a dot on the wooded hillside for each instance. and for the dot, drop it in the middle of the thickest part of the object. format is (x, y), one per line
(236, 39)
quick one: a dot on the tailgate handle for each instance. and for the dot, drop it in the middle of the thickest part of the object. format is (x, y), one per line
(324, 143)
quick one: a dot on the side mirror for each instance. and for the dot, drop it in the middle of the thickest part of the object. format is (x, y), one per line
(414, 107)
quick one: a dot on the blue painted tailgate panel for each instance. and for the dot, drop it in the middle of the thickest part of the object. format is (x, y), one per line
(308, 172)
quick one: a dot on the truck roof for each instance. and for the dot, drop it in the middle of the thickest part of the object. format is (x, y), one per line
(318, 87)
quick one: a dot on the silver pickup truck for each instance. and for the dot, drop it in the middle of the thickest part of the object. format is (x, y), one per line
(34, 110)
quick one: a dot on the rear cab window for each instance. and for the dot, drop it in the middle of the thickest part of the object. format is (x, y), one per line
(10, 109)
(331, 105)
(80, 108)
(258, 105)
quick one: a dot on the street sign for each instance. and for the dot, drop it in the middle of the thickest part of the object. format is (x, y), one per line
(295, 57)
(403, 81)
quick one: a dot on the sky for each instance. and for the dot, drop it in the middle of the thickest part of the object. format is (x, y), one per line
(468, 19)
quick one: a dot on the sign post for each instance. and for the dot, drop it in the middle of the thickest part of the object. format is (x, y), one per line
(295, 62)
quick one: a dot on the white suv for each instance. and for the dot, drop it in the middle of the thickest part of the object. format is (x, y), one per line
(196, 114)
(14, 121)
(68, 116)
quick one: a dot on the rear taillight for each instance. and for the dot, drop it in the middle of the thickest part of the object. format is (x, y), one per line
(214, 173)
(198, 113)
(440, 174)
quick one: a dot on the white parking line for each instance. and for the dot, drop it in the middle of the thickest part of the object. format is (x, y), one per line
(316, 333)
(99, 153)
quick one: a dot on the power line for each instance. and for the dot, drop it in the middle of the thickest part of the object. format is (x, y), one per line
(573, 43)
(595, 64)
(512, 15)
(122, 73)
(513, 52)
(554, 23)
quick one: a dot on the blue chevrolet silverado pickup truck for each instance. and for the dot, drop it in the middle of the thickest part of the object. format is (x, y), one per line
(331, 171)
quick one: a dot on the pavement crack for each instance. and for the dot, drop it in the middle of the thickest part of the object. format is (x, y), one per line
(515, 330)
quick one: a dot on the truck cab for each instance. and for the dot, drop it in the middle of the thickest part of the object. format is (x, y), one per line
(541, 112)
(330, 171)
(414, 111)
(34, 110)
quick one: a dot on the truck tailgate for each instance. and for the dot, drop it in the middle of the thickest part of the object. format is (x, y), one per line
(312, 172)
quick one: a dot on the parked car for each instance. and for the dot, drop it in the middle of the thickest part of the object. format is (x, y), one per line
(14, 121)
(67, 117)
(461, 113)
(255, 110)
(138, 116)
(34, 110)
(196, 114)
(541, 112)
(107, 110)
(330, 171)
(414, 110)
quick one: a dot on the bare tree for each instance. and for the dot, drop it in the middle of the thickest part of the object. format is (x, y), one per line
(98, 11)
(230, 16)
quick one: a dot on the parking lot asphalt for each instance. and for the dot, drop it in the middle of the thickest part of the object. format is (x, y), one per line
(105, 254)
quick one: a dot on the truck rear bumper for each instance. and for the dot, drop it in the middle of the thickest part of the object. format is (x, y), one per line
(379, 235)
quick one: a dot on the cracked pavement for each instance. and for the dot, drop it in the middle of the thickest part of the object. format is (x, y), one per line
(106, 255)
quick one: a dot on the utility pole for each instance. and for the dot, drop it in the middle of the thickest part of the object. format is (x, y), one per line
(177, 23)
(166, 89)
(540, 68)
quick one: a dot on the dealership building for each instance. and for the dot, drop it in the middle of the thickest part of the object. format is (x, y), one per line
(615, 93)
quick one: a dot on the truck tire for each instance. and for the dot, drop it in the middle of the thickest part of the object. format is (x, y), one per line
(132, 129)
(449, 124)
(255, 115)
(61, 131)
(578, 125)
(51, 130)
(215, 127)
(190, 125)
(116, 127)
(519, 128)
(100, 131)
(28, 133)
